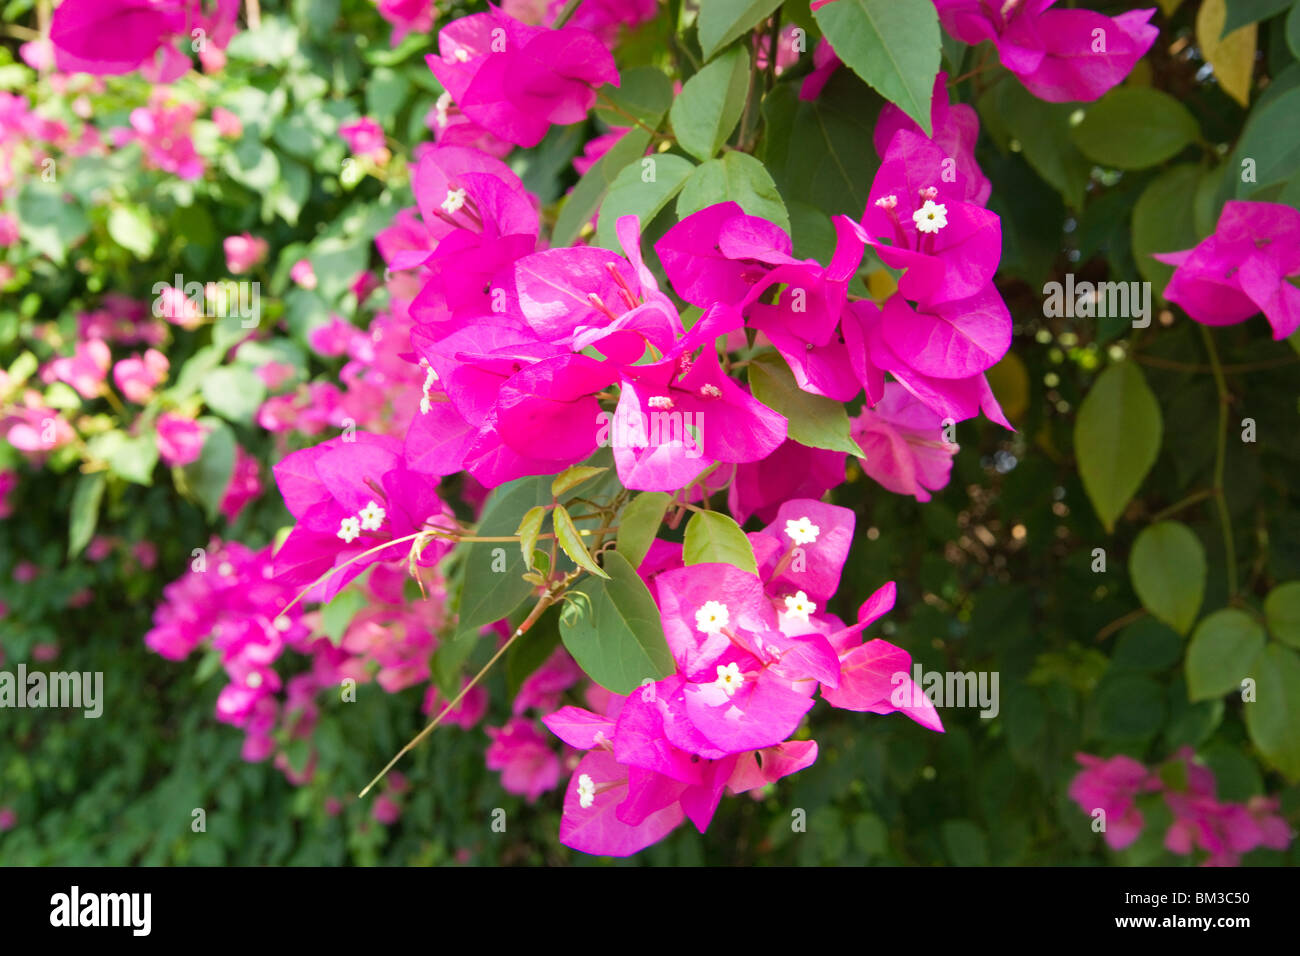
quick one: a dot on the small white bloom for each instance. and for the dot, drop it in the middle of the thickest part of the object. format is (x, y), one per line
(729, 678)
(441, 108)
(372, 516)
(226, 569)
(802, 531)
(253, 680)
(713, 617)
(709, 390)
(931, 217)
(282, 623)
(425, 405)
(887, 202)
(462, 55)
(454, 202)
(349, 530)
(586, 791)
(660, 401)
(797, 605)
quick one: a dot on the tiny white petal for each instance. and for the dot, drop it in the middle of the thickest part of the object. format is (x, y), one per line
(712, 618)
(931, 217)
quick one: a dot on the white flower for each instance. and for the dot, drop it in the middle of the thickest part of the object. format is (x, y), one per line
(253, 680)
(931, 217)
(713, 617)
(349, 530)
(454, 202)
(282, 623)
(729, 678)
(226, 569)
(659, 401)
(798, 605)
(372, 516)
(586, 791)
(887, 202)
(709, 390)
(461, 55)
(802, 531)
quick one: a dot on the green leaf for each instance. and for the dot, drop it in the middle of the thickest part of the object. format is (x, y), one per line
(1221, 653)
(1271, 142)
(722, 21)
(892, 44)
(644, 92)
(639, 524)
(530, 526)
(1129, 707)
(1282, 611)
(493, 583)
(582, 204)
(735, 177)
(641, 189)
(1116, 439)
(49, 222)
(1293, 30)
(566, 532)
(132, 229)
(234, 392)
(131, 458)
(1133, 127)
(209, 476)
(710, 104)
(1041, 131)
(339, 612)
(812, 420)
(821, 153)
(84, 513)
(1273, 718)
(619, 640)
(574, 476)
(1164, 221)
(1243, 12)
(715, 538)
(1168, 571)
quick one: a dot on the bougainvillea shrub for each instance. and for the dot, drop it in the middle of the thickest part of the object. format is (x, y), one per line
(727, 431)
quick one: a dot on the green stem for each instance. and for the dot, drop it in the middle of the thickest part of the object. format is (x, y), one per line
(1220, 455)
(543, 603)
(565, 13)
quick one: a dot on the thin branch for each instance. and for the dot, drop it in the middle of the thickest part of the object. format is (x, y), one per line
(1220, 454)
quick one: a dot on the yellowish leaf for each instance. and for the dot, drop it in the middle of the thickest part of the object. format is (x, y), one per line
(1233, 56)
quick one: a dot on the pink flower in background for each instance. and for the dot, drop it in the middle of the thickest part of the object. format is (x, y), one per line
(227, 123)
(179, 309)
(86, 369)
(1112, 786)
(25, 572)
(243, 252)
(245, 484)
(303, 274)
(180, 439)
(904, 444)
(8, 230)
(99, 548)
(163, 132)
(825, 63)
(119, 36)
(8, 819)
(146, 553)
(8, 483)
(365, 138)
(1054, 52)
(35, 429)
(1242, 268)
(406, 16)
(386, 810)
(334, 337)
(138, 375)
(528, 765)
